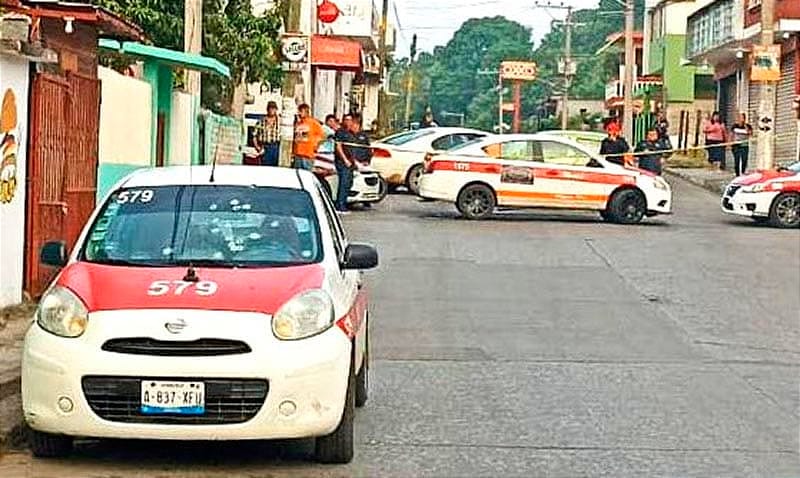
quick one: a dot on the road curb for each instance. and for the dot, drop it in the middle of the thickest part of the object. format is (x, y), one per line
(716, 186)
(13, 434)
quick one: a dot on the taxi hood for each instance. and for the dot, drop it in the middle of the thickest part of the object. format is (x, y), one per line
(262, 290)
(761, 176)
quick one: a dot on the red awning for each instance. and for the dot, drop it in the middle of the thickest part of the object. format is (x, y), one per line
(335, 53)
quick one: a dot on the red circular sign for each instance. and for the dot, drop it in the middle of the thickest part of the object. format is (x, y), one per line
(327, 11)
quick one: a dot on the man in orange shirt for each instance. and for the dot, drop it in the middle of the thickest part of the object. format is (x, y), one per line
(308, 134)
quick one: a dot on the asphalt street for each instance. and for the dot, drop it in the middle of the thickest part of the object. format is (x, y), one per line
(548, 344)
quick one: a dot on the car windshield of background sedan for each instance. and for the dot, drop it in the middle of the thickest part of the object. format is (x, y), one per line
(406, 137)
(206, 225)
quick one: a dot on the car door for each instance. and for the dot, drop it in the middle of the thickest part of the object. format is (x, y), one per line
(571, 178)
(519, 173)
(345, 284)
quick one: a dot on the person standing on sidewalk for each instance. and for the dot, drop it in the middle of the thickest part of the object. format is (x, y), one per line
(307, 136)
(741, 132)
(268, 136)
(715, 136)
(614, 147)
(344, 164)
(651, 151)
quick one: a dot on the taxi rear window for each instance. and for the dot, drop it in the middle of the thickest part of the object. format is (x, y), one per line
(206, 225)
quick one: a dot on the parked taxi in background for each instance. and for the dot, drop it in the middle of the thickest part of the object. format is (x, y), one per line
(398, 158)
(203, 304)
(766, 196)
(541, 171)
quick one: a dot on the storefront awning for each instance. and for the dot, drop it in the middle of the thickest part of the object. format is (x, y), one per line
(335, 53)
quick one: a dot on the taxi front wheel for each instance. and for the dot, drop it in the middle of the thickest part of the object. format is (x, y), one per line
(338, 446)
(48, 445)
(628, 206)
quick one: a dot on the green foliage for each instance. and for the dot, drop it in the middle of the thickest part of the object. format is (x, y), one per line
(231, 34)
(448, 79)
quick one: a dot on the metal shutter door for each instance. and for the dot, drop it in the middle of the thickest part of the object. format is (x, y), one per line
(785, 118)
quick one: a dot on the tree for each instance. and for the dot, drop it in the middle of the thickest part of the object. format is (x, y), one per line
(231, 34)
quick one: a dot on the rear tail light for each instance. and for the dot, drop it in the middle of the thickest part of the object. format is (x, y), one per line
(427, 163)
(381, 153)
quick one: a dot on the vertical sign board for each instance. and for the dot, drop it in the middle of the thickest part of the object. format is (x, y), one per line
(13, 142)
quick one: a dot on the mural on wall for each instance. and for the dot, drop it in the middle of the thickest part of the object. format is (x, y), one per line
(8, 147)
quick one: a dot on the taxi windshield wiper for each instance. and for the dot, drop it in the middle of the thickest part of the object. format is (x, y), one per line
(129, 262)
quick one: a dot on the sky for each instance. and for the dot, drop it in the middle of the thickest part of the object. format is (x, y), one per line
(435, 21)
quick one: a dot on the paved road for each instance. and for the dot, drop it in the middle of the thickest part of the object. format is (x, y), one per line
(550, 345)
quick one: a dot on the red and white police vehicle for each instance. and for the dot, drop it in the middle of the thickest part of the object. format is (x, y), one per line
(203, 304)
(766, 196)
(541, 171)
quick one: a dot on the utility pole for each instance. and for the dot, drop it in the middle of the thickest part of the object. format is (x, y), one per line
(193, 40)
(499, 96)
(566, 66)
(291, 79)
(567, 69)
(630, 61)
(383, 103)
(410, 80)
(765, 147)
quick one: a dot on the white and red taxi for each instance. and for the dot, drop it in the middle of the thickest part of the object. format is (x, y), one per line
(541, 171)
(203, 305)
(766, 196)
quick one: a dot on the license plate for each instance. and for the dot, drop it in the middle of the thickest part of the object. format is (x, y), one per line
(179, 398)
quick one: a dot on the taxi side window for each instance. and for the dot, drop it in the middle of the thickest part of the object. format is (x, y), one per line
(511, 150)
(553, 152)
(444, 143)
(334, 225)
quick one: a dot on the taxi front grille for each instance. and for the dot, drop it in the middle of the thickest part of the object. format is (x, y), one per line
(175, 348)
(227, 401)
(371, 180)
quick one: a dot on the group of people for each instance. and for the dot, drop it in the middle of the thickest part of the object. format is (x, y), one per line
(343, 141)
(717, 136)
(650, 152)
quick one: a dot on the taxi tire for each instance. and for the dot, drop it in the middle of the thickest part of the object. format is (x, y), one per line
(627, 206)
(784, 200)
(48, 445)
(337, 448)
(473, 192)
(412, 179)
(383, 189)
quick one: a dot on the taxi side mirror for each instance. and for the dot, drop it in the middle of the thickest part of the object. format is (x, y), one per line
(54, 254)
(360, 257)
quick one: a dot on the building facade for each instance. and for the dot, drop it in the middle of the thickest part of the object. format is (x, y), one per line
(722, 34)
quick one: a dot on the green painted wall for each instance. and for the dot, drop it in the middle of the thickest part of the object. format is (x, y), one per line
(665, 59)
(108, 174)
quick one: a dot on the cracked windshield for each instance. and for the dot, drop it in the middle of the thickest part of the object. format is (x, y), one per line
(400, 238)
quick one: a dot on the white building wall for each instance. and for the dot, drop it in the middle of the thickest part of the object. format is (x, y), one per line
(324, 93)
(13, 83)
(181, 125)
(125, 118)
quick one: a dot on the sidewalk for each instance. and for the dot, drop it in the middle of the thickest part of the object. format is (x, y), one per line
(14, 322)
(713, 180)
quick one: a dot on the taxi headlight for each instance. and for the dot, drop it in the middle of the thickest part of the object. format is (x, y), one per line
(660, 183)
(305, 315)
(62, 313)
(755, 188)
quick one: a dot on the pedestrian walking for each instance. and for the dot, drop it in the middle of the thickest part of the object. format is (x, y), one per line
(614, 147)
(651, 152)
(307, 136)
(741, 132)
(344, 164)
(714, 131)
(268, 136)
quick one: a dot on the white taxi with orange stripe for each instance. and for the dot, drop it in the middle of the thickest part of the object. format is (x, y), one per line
(203, 304)
(541, 171)
(771, 196)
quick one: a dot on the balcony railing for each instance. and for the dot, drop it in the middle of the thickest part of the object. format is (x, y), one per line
(615, 89)
(711, 27)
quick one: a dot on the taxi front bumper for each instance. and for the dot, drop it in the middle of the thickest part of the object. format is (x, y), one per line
(741, 203)
(278, 390)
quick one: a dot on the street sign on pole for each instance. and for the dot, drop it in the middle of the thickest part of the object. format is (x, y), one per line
(518, 70)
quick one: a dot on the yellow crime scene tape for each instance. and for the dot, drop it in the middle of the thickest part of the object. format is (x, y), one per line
(628, 155)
